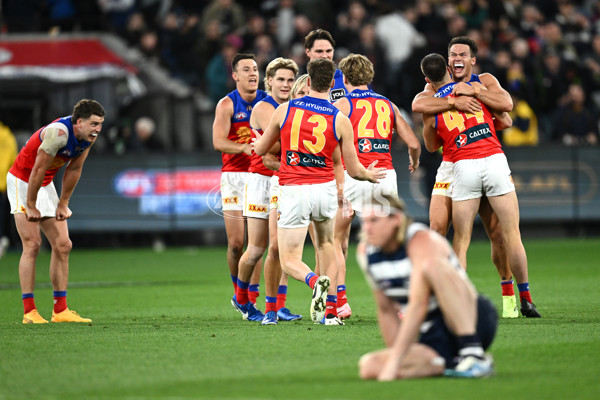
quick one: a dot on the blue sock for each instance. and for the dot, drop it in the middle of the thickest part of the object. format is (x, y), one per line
(523, 287)
(308, 277)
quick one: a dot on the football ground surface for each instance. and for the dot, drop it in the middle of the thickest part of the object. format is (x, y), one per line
(163, 328)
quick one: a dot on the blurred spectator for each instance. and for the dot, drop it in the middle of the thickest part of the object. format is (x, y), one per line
(524, 130)
(134, 29)
(61, 15)
(153, 11)
(284, 32)
(264, 51)
(21, 15)
(229, 14)
(117, 13)
(577, 124)
(143, 138)
(550, 90)
(218, 73)
(8, 154)
(255, 27)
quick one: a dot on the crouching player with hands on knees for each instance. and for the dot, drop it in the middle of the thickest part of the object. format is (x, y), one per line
(446, 326)
(37, 207)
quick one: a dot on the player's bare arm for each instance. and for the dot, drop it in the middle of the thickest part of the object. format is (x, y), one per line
(387, 316)
(502, 120)
(489, 92)
(432, 140)
(221, 126)
(270, 159)
(418, 299)
(273, 132)
(425, 103)
(70, 178)
(408, 136)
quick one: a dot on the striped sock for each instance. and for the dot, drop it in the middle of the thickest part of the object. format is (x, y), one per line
(310, 279)
(507, 288)
(470, 345)
(331, 305)
(28, 302)
(271, 304)
(242, 292)
(60, 301)
(524, 291)
(341, 295)
(281, 296)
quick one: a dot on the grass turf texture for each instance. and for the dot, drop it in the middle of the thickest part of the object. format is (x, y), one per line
(164, 328)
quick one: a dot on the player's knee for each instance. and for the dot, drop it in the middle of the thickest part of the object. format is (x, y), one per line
(255, 253)
(235, 247)
(365, 367)
(63, 246)
(32, 246)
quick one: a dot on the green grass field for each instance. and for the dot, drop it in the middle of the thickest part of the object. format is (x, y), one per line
(164, 328)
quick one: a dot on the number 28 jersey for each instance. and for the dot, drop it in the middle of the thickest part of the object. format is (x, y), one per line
(308, 139)
(372, 117)
(466, 136)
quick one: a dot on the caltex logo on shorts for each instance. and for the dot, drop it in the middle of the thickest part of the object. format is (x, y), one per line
(364, 145)
(293, 159)
(461, 140)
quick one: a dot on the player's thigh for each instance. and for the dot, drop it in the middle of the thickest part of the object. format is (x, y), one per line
(463, 214)
(57, 232)
(291, 242)
(324, 231)
(29, 232)
(341, 230)
(258, 232)
(234, 227)
(506, 207)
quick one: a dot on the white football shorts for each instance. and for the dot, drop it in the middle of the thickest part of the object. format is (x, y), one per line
(360, 193)
(443, 180)
(232, 190)
(488, 176)
(300, 204)
(257, 196)
(16, 189)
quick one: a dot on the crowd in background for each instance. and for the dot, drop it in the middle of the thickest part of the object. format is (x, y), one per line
(546, 53)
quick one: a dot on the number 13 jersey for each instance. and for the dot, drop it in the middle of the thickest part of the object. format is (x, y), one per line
(308, 139)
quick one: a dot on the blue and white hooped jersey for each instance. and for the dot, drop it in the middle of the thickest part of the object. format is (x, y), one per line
(390, 272)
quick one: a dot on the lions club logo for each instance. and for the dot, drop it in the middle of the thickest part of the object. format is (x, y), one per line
(244, 134)
(461, 140)
(364, 145)
(293, 159)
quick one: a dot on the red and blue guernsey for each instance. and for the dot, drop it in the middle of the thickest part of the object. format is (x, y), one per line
(465, 135)
(308, 139)
(26, 158)
(240, 131)
(339, 89)
(256, 163)
(373, 120)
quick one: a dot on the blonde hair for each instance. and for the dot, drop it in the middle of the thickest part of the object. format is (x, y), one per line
(386, 205)
(276, 65)
(299, 84)
(358, 69)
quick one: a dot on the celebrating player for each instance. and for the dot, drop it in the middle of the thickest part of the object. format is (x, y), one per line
(309, 129)
(231, 136)
(374, 119)
(480, 167)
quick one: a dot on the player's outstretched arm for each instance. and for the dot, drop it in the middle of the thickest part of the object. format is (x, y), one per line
(273, 132)
(425, 103)
(490, 93)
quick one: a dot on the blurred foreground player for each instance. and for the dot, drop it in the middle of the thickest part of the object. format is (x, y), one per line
(37, 207)
(446, 325)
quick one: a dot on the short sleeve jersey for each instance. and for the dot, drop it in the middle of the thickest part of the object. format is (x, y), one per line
(373, 120)
(26, 159)
(308, 139)
(256, 163)
(240, 131)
